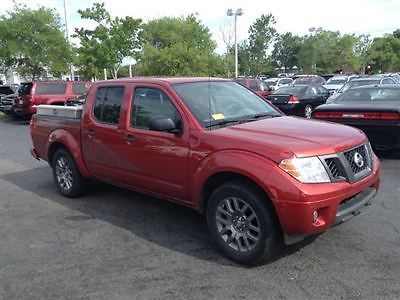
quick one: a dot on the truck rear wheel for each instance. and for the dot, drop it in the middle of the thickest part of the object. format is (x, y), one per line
(66, 175)
(242, 223)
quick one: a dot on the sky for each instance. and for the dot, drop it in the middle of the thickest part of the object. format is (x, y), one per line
(374, 17)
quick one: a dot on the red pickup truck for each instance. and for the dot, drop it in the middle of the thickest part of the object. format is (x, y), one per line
(261, 178)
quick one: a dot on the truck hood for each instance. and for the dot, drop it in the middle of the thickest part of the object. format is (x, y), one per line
(284, 137)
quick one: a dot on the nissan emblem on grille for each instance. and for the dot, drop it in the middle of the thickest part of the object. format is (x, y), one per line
(358, 160)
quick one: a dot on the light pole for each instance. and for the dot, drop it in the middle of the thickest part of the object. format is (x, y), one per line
(237, 13)
(67, 36)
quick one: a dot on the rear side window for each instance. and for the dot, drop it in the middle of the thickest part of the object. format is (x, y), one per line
(51, 88)
(151, 103)
(107, 105)
(78, 88)
(253, 84)
(241, 81)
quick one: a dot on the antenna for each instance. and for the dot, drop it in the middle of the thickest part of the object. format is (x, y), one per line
(209, 100)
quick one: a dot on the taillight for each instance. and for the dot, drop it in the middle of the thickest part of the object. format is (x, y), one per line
(357, 115)
(382, 116)
(293, 100)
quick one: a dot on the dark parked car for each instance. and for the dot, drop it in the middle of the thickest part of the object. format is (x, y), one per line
(361, 81)
(299, 100)
(309, 79)
(373, 109)
(255, 84)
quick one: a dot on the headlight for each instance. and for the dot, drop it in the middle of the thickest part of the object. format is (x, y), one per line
(306, 170)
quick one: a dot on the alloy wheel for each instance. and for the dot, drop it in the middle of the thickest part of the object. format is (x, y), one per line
(238, 224)
(64, 173)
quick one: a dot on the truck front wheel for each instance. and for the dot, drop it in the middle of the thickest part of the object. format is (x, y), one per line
(242, 224)
(66, 175)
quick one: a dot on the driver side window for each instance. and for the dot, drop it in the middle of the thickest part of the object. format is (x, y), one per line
(151, 103)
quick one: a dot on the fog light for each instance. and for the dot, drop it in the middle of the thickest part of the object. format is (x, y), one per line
(315, 216)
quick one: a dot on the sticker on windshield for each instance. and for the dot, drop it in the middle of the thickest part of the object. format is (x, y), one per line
(218, 116)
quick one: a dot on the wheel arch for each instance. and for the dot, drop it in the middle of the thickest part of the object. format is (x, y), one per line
(61, 138)
(248, 167)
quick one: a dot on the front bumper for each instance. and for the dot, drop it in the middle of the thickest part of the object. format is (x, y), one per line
(5, 108)
(305, 209)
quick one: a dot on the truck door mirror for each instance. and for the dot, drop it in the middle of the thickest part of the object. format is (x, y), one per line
(162, 123)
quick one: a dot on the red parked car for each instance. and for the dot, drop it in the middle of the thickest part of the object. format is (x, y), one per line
(35, 93)
(256, 85)
(260, 177)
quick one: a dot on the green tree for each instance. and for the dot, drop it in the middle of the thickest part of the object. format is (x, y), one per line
(329, 51)
(384, 54)
(285, 50)
(361, 49)
(178, 47)
(261, 35)
(108, 44)
(33, 42)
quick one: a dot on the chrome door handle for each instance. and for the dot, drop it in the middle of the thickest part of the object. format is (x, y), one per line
(90, 133)
(129, 139)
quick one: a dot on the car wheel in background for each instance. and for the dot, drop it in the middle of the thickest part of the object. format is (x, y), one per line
(308, 111)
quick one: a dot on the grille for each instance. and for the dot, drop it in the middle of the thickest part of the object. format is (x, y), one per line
(351, 158)
(351, 165)
(335, 168)
(6, 101)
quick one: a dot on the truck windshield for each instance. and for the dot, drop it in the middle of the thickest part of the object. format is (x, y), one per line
(223, 103)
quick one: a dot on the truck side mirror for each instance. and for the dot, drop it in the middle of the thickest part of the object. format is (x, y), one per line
(162, 123)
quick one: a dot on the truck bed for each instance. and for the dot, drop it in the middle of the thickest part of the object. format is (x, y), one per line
(45, 126)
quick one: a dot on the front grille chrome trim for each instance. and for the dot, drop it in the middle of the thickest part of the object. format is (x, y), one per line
(340, 166)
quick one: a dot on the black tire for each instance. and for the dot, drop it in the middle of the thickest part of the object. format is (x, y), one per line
(65, 170)
(241, 227)
(308, 111)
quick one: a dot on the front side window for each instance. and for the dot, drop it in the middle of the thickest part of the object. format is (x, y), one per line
(387, 81)
(151, 103)
(51, 88)
(108, 103)
(286, 81)
(25, 89)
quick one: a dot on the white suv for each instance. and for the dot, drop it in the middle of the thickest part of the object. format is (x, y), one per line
(275, 83)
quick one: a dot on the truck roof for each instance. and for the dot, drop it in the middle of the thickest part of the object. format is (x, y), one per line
(170, 80)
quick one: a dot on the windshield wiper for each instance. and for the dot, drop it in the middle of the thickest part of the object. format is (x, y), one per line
(222, 122)
(261, 115)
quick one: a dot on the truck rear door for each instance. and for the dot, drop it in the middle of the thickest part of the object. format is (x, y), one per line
(102, 134)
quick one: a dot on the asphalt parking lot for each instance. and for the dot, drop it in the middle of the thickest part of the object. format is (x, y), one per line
(117, 244)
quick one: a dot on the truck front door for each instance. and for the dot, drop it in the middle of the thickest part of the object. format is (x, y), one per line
(156, 162)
